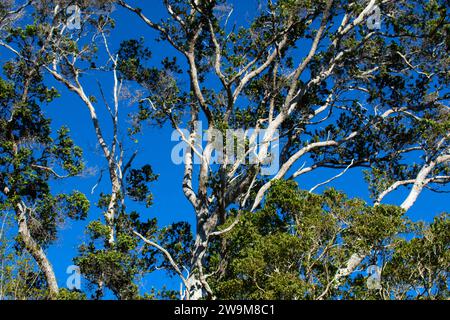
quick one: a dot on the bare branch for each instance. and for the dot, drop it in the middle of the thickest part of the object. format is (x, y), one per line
(333, 178)
(166, 254)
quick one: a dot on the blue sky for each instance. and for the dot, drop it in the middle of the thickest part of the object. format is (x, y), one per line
(155, 148)
(170, 204)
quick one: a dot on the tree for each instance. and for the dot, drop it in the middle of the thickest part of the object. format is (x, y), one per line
(111, 258)
(357, 97)
(306, 85)
(30, 158)
(298, 247)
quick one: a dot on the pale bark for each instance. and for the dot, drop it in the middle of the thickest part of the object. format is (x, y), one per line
(113, 156)
(35, 250)
(350, 266)
(237, 187)
(423, 178)
(421, 181)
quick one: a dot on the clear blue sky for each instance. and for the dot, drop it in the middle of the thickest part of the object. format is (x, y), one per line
(155, 149)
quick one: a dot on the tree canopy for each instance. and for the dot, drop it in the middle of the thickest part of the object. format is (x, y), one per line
(259, 104)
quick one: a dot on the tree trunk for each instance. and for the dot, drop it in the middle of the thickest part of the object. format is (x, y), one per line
(110, 214)
(198, 287)
(194, 290)
(36, 252)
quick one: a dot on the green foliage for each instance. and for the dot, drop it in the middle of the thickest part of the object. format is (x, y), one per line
(120, 266)
(66, 294)
(97, 230)
(419, 267)
(293, 247)
(137, 184)
(165, 99)
(29, 159)
(130, 55)
(115, 269)
(19, 277)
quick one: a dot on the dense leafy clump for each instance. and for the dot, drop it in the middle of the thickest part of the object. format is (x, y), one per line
(294, 247)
